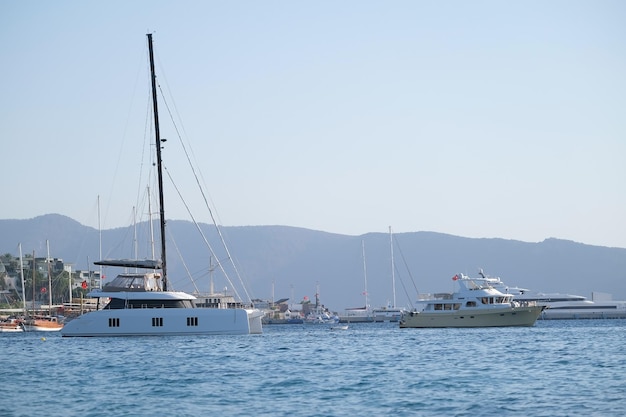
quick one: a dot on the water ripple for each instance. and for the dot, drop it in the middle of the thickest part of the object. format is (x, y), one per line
(557, 368)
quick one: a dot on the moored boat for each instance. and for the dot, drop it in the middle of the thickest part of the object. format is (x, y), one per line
(140, 304)
(389, 313)
(473, 305)
(357, 315)
(11, 325)
(559, 306)
(42, 324)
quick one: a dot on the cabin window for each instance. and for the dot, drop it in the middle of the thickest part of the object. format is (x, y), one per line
(447, 306)
(114, 322)
(438, 306)
(470, 304)
(157, 321)
(457, 306)
(192, 321)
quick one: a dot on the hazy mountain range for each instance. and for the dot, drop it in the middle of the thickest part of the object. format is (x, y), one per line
(295, 261)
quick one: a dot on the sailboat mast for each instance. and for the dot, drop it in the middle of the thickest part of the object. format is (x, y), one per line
(22, 277)
(367, 304)
(33, 272)
(393, 268)
(48, 261)
(99, 245)
(157, 138)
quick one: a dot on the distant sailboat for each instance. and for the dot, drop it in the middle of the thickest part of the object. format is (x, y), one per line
(14, 324)
(390, 312)
(44, 322)
(359, 314)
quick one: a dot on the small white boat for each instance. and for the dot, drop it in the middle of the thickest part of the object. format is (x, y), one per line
(319, 314)
(340, 327)
(11, 325)
(473, 305)
(321, 317)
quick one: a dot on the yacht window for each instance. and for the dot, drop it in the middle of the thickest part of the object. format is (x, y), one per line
(457, 306)
(470, 304)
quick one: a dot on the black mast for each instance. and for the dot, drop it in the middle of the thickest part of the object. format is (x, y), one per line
(159, 167)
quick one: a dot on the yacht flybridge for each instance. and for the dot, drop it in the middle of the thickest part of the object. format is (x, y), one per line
(139, 304)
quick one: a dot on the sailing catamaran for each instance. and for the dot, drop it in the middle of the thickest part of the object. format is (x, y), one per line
(140, 304)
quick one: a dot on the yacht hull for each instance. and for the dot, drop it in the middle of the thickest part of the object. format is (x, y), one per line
(509, 317)
(576, 313)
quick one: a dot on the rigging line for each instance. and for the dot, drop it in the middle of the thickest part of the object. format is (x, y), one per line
(202, 234)
(406, 292)
(195, 175)
(124, 134)
(147, 135)
(193, 281)
(182, 127)
(407, 268)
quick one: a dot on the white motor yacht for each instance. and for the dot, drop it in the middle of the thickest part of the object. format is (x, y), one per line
(474, 304)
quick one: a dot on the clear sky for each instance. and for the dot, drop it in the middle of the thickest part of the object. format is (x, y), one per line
(474, 118)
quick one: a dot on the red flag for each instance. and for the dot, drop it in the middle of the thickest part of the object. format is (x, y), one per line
(84, 285)
(454, 278)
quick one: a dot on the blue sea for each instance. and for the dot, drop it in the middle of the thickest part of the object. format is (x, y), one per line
(556, 368)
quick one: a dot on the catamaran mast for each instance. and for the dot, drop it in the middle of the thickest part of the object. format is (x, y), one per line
(157, 138)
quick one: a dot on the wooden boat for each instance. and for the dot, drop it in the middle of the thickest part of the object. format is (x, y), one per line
(42, 324)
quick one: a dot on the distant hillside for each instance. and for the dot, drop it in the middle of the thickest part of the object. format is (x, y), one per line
(294, 261)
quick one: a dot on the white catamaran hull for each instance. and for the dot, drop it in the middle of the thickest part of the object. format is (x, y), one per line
(167, 321)
(515, 316)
